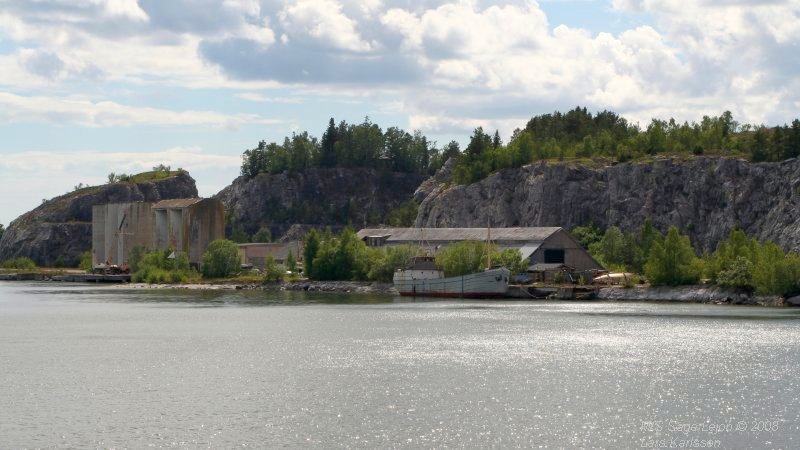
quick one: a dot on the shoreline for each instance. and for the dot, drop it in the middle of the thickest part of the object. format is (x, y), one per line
(703, 294)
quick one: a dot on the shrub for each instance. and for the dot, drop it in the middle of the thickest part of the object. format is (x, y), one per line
(383, 265)
(86, 262)
(738, 275)
(263, 235)
(157, 267)
(462, 258)
(221, 259)
(673, 262)
(273, 272)
(23, 262)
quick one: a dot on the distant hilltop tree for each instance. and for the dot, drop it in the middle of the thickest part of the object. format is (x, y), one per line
(574, 135)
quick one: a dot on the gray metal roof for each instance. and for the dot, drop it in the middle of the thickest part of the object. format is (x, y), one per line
(542, 267)
(522, 234)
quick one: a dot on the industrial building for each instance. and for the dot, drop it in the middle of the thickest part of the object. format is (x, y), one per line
(544, 248)
(185, 225)
(188, 225)
(257, 254)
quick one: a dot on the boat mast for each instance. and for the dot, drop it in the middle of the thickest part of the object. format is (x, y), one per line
(488, 244)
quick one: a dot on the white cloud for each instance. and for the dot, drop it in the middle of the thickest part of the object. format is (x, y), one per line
(124, 8)
(323, 22)
(261, 98)
(75, 111)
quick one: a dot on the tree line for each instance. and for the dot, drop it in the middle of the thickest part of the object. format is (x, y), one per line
(738, 261)
(576, 134)
(579, 134)
(349, 145)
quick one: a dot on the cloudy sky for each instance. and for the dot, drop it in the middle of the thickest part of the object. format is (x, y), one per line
(89, 87)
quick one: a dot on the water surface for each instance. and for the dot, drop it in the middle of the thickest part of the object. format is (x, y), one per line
(85, 366)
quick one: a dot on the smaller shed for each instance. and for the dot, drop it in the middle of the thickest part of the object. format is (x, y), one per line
(550, 272)
(257, 254)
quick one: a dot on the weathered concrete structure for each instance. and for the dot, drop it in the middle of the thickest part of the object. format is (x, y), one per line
(539, 245)
(188, 225)
(185, 225)
(119, 227)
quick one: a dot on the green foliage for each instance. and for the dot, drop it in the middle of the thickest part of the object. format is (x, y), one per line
(463, 258)
(312, 244)
(239, 236)
(383, 265)
(618, 251)
(2, 230)
(511, 259)
(345, 257)
(159, 172)
(345, 145)
(674, 262)
(587, 235)
(580, 134)
(610, 250)
(739, 274)
(86, 263)
(263, 235)
(291, 262)
(742, 262)
(157, 267)
(221, 259)
(404, 215)
(21, 263)
(135, 257)
(273, 272)
(467, 257)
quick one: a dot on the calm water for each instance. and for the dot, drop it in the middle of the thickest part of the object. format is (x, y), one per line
(103, 367)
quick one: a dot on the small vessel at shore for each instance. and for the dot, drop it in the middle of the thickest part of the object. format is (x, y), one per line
(425, 279)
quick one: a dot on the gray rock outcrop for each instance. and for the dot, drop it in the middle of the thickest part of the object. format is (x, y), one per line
(705, 197)
(59, 230)
(317, 196)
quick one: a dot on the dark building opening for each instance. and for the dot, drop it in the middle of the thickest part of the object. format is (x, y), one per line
(554, 256)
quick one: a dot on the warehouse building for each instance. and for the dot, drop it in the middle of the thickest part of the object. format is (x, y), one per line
(544, 248)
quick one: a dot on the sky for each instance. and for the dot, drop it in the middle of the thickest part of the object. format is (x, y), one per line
(90, 87)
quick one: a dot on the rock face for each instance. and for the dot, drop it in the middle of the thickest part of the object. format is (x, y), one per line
(689, 294)
(705, 197)
(318, 196)
(59, 230)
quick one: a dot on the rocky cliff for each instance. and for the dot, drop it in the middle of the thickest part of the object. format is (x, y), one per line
(60, 229)
(705, 197)
(318, 196)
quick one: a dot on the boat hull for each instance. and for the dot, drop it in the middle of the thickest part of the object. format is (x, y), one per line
(489, 284)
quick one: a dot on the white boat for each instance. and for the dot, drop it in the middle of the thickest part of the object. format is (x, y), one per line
(425, 279)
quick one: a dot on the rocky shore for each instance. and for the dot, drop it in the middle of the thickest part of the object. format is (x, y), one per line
(688, 294)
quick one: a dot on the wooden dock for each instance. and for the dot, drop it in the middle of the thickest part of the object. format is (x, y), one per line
(68, 278)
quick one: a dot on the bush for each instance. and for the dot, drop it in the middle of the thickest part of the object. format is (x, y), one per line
(157, 267)
(221, 259)
(738, 275)
(383, 265)
(23, 263)
(263, 235)
(86, 262)
(673, 263)
(462, 258)
(342, 258)
(273, 272)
